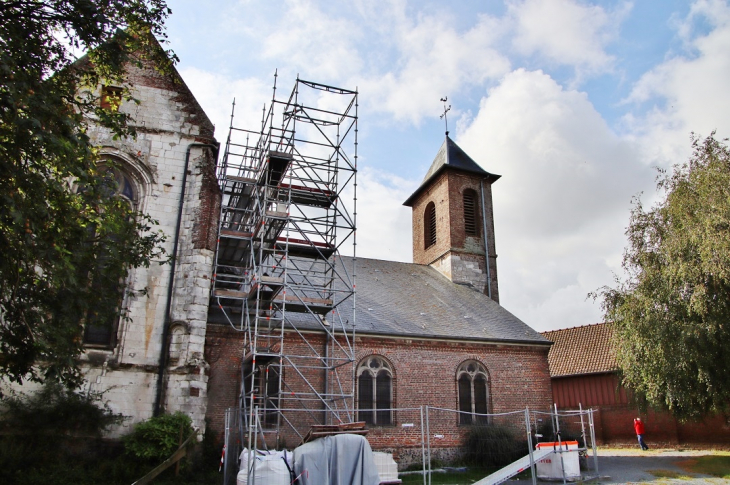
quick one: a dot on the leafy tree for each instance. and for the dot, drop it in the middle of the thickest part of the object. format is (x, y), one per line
(672, 312)
(66, 242)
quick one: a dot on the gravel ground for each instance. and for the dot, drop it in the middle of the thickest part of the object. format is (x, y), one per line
(633, 466)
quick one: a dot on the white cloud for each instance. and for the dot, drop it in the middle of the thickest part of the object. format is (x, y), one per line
(714, 12)
(566, 32)
(383, 223)
(216, 92)
(563, 201)
(313, 41)
(686, 93)
(432, 59)
(400, 59)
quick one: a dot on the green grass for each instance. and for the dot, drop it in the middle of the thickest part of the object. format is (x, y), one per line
(668, 474)
(449, 478)
(715, 465)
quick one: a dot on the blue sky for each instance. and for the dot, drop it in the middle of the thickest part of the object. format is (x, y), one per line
(575, 103)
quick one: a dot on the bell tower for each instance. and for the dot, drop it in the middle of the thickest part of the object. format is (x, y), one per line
(453, 221)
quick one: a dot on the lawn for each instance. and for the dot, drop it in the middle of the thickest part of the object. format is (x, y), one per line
(467, 477)
(715, 465)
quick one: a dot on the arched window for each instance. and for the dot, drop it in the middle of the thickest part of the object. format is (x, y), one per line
(375, 391)
(266, 391)
(101, 330)
(429, 225)
(121, 184)
(471, 213)
(473, 384)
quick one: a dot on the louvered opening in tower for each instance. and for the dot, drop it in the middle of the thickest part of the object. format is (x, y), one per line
(471, 224)
(429, 225)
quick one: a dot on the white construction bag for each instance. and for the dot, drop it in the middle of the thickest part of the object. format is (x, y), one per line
(268, 468)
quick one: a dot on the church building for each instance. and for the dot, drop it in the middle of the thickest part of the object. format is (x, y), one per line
(428, 333)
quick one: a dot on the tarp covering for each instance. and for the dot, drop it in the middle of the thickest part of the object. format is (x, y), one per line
(264, 468)
(344, 459)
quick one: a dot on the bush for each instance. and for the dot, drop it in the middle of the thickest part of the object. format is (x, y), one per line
(54, 436)
(159, 437)
(492, 446)
(57, 411)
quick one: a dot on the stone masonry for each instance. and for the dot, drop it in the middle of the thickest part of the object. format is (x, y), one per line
(168, 121)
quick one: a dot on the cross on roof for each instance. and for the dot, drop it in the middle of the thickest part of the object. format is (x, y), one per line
(443, 116)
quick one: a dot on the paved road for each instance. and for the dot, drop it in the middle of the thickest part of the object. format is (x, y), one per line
(634, 466)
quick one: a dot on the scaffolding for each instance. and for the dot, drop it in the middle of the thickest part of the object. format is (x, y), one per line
(288, 207)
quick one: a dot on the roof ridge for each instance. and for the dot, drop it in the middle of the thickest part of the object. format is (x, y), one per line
(577, 326)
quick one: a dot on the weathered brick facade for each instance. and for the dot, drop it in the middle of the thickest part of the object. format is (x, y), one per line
(424, 374)
(423, 338)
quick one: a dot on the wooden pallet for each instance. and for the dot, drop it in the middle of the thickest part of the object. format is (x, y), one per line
(322, 430)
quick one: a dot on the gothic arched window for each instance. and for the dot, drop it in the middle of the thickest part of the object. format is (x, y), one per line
(473, 385)
(375, 391)
(429, 225)
(471, 212)
(100, 329)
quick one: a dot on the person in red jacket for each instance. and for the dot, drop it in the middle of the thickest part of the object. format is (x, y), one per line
(639, 428)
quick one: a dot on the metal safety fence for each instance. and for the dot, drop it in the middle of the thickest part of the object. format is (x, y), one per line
(427, 440)
(569, 426)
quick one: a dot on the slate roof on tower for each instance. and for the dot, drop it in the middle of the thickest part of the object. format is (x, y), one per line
(450, 156)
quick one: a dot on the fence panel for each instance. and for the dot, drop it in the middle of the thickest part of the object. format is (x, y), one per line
(489, 441)
(575, 425)
(232, 446)
(422, 439)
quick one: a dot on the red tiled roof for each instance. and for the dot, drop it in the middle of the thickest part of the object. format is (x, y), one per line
(581, 350)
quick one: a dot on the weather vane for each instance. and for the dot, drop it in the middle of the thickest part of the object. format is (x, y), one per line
(443, 116)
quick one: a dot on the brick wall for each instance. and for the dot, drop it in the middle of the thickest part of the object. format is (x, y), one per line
(615, 426)
(424, 373)
(223, 352)
(437, 193)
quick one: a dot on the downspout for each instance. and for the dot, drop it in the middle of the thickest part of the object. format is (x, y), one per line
(486, 241)
(164, 347)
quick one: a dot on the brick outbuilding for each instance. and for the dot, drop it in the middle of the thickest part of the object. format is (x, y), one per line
(585, 374)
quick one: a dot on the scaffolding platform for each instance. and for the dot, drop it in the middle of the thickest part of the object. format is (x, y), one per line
(311, 196)
(305, 249)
